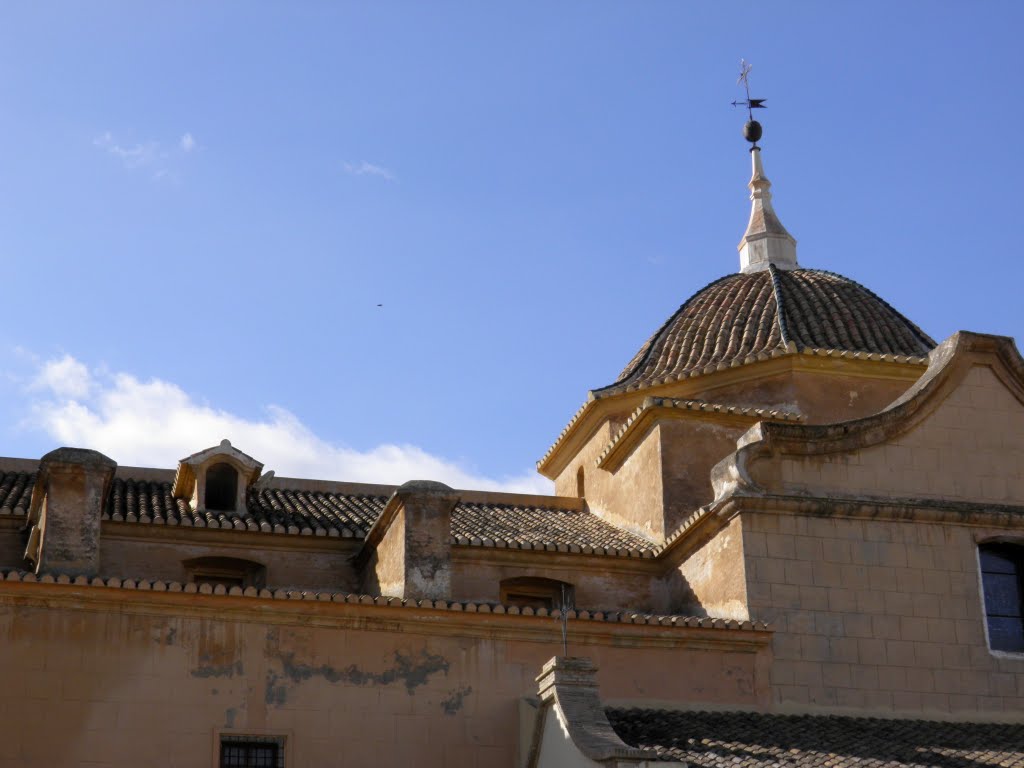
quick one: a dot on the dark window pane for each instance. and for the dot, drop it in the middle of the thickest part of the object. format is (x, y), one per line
(997, 558)
(1002, 581)
(1006, 634)
(1002, 594)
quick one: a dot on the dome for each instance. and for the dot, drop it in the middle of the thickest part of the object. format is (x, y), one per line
(744, 315)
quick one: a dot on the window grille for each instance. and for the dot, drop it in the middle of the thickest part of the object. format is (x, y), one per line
(245, 751)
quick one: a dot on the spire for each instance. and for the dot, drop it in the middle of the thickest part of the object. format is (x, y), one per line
(766, 241)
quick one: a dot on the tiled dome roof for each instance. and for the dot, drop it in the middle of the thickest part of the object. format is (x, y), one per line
(745, 315)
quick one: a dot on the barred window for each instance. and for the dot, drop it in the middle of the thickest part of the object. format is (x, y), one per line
(245, 751)
(1002, 579)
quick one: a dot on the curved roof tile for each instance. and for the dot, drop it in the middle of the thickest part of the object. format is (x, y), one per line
(744, 315)
(282, 510)
(752, 740)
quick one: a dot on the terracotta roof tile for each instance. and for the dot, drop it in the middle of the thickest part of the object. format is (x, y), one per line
(268, 509)
(315, 513)
(556, 529)
(16, 492)
(744, 317)
(749, 740)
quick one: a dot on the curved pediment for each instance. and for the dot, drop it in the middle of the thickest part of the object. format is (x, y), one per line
(956, 435)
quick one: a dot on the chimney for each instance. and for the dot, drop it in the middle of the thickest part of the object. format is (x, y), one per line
(64, 515)
(407, 552)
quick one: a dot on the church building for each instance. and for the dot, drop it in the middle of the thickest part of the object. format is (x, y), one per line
(790, 532)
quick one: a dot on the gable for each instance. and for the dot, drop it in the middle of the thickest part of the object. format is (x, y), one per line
(971, 448)
(956, 436)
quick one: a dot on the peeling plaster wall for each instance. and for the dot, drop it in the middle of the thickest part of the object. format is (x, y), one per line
(690, 448)
(142, 686)
(600, 583)
(292, 565)
(837, 391)
(385, 570)
(633, 496)
(716, 574)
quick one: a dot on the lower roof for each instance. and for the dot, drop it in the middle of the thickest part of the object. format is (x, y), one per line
(751, 740)
(350, 515)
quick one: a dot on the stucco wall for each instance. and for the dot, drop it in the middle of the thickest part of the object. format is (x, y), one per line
(114, 677)
(824, 389)
(386, 566)
(633, 496)
(690, 448)
(715, 574)
(128, 550)
(600, 582)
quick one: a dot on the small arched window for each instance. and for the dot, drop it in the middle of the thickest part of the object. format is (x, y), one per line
(581, 487)
(1002, 579)
(537, 592)
(221, 487)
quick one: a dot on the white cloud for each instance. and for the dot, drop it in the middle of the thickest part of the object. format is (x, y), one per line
(134, 156)
(368, 169)
(65, 378)
(155, 423)
(151, 156)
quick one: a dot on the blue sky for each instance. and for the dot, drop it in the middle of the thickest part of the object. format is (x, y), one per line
(202, 205)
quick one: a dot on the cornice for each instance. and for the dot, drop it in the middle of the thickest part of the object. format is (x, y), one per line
(827, 362)
(353, 611)
(654, 410)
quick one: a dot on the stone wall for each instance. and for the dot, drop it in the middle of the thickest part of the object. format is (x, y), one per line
(970, 448)
(877, 615)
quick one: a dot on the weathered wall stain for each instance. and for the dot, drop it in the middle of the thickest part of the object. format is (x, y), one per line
(410, 670)
(165, 635)
(206, 669)
(455, 699)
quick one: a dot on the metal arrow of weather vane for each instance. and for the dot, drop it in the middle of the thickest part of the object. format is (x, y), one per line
(752, 130)
(744, 80)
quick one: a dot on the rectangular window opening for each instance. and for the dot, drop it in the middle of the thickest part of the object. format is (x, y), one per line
(1002, 578)
(245, 751)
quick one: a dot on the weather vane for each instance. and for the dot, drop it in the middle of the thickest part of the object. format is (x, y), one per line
(752, 129)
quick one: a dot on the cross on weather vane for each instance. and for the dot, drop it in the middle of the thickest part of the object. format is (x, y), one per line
(752, 130)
